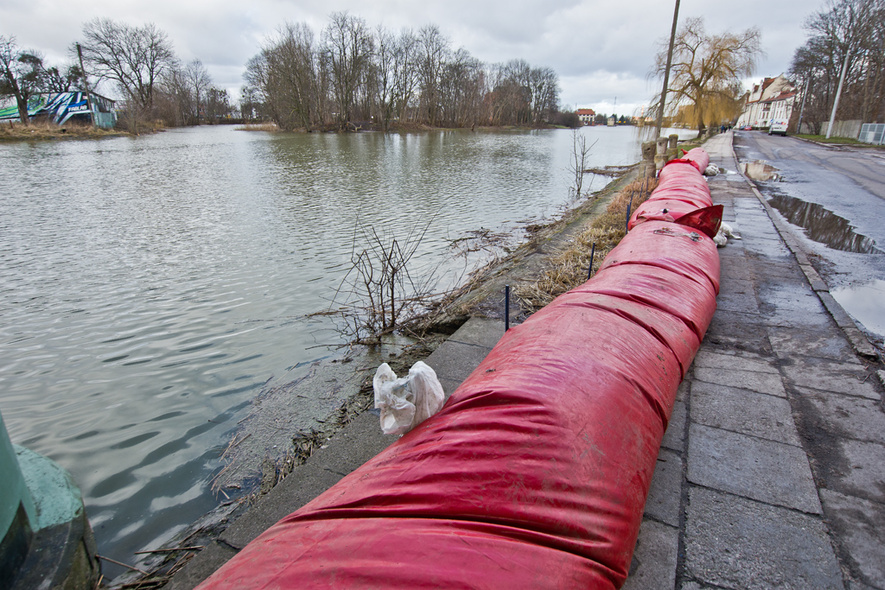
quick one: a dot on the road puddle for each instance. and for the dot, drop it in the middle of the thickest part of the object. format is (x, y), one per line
(865, 303)
(760, 170)
(822, 225)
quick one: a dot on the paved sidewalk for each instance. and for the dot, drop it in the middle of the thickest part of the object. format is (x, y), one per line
(772, 471)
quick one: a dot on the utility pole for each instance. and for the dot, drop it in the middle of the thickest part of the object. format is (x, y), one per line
(804, 98)
(86, 85)
(660, 120)
(838, 93)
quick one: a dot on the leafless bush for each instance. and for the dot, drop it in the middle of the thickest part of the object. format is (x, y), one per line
(379, 292)
(580, 153)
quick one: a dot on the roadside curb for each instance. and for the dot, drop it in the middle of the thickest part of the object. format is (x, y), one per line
(859, 342)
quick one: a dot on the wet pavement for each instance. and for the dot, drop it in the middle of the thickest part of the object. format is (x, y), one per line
(833, 197)
(772, 471)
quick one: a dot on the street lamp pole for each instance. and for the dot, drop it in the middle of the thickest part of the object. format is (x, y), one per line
(804, 98)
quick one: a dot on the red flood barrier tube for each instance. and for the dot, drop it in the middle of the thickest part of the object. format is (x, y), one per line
(681, 190)
(535, 472)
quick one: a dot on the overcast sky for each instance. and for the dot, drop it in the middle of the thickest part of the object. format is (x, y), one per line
(601, 50)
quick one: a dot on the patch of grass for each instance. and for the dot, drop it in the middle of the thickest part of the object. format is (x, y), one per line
(835, 140)
(569, 268)
(688, 146)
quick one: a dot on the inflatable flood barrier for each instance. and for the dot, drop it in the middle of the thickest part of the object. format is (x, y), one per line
(535, 472)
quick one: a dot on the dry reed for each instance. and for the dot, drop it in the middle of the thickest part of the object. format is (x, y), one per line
(269, 127)
(13, 130)
(569, 268)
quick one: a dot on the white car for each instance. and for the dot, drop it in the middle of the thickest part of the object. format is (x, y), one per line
(778, 126)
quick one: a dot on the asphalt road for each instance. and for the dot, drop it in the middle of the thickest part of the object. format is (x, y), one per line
(834, 197)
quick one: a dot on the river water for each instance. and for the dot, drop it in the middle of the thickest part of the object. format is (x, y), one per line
(150, 286)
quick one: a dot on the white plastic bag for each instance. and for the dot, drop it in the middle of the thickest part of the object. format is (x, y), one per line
(725, 232)
(407, 401)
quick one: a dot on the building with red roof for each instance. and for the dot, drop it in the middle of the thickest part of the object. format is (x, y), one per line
(586, 116)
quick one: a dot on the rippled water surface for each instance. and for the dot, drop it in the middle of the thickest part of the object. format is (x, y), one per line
(150, 286)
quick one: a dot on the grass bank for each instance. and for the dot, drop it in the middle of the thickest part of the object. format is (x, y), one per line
(570, 268)
(12, 131)
(838, 141)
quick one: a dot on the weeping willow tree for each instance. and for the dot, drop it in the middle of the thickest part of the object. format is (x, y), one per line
(706, 74)
(714, 110)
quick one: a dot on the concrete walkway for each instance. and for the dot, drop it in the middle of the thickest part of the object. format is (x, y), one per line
(772, 471)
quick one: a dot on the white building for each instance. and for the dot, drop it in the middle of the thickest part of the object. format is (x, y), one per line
(770, 101)
(586, 116)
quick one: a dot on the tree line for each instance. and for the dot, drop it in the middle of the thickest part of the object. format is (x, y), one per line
(345, 77)
(350, 75)
(846, 36)
(139, 61)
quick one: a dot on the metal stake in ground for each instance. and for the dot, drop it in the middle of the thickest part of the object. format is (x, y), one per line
(629, 207)
(506, 307)
(592, 254)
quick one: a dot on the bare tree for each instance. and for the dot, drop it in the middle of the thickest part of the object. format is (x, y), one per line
(544, 84)
(250, 103)
(20, 74)
(135, 58)
(846, 35)
(286, 76)
(348, 52)
(405, 72)
(175, 103)
(461, 90)
(55, 80)
(185, 93)
(707, 66)
(386, 80)
(433, 51)
(198, 82)
(217, 104)
(578, 165)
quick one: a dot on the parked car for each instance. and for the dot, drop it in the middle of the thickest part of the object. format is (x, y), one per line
(746, 128)
(778, 126)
